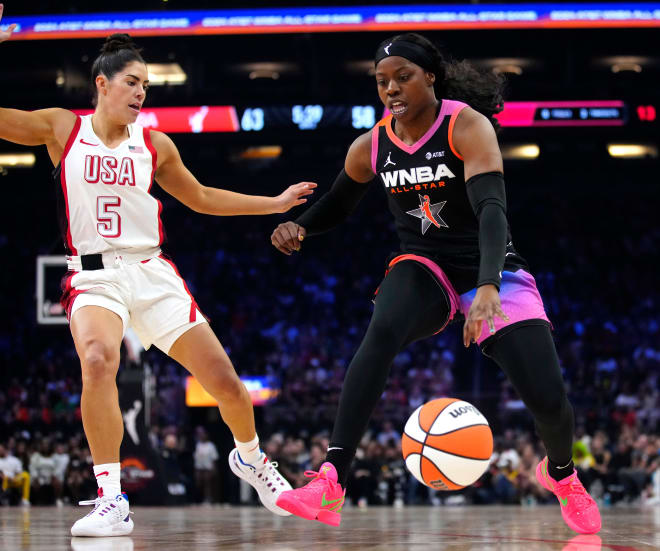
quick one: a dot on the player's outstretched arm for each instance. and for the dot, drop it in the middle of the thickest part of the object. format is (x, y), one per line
(336, 205)
(42, 127)
(46, 126)
(173, 176)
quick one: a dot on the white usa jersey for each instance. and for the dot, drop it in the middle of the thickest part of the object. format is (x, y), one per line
(106, 200)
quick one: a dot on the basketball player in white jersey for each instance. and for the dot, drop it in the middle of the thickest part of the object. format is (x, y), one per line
(118, 276)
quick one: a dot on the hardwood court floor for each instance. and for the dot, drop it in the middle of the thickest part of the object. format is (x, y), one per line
(374, 529)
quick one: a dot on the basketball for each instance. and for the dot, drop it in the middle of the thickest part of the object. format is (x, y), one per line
(447, 444)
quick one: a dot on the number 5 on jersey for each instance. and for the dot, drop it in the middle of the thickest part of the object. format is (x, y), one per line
(109, 221)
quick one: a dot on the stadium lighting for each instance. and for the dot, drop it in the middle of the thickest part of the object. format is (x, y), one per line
(508, 69)
(524, 152)
(262, 152)
(621, 67)
(264, 73)
(632, 151)
(266, 69)
(166, 73)
(621, 64)
(60, 80)
(364, 67)
(506, 65)
(17, 159)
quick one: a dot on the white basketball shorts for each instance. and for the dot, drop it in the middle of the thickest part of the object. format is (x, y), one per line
(150, 296)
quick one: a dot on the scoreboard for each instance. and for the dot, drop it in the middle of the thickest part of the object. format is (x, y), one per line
(308, 117)
(311, 117)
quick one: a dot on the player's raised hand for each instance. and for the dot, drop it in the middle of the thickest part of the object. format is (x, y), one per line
(295, 195)
(288, 237)
(4, 35)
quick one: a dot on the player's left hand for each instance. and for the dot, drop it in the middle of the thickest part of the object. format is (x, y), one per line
(485, 307)
(5, 35)
(294, 195)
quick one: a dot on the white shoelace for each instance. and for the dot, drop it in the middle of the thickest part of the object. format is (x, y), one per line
(269, 475)
(97, 503)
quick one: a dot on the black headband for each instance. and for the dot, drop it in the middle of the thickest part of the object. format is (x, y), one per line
(409, 50)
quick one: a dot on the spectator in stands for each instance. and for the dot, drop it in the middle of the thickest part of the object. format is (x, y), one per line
(529, 490)
(45, 486)
(206, 469)
(61, 458)
(389, 435)
(645, 461)
(175, 478)
(13, 476)
(600, 467)
(80, 485)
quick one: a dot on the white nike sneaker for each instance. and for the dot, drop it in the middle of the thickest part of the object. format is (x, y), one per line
(264, 477)
(110, 517)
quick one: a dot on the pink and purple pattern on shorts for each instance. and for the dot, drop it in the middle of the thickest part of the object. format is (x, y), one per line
(518, 294)
(520, 301)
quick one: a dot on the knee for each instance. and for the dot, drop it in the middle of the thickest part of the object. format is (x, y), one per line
(552, 408)
(386, 332)
(222, 381)
(99, 363)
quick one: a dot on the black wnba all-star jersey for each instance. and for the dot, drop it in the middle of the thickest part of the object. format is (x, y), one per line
(426, 193)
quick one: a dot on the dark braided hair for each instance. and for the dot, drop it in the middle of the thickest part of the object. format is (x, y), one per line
(117, 51)
(458, 80)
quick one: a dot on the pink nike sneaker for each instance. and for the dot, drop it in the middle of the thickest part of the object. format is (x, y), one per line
(578, 509)
(321, 499)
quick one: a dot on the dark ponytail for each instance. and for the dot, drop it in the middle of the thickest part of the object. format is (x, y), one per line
(458, 80)
(117, 51)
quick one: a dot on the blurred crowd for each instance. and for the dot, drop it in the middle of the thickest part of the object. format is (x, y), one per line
(299, 319)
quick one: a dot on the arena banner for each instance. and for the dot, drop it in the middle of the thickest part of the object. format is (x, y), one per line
(338, 19)
(229, 118)
(142, 472)
(202, 118)
(563, 113)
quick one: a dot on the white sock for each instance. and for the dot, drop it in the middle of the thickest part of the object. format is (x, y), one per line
(249, 451)
(108, 478)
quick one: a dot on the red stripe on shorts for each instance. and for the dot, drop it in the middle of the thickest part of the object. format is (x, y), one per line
(69, 294)
(193, 303)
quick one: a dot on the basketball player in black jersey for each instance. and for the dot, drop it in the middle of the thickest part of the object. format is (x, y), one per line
(439, 163)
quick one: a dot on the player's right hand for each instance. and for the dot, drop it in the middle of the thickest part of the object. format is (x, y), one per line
(288, 237)
(4, 35)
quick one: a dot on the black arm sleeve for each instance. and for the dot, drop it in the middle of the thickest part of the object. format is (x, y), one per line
(488, 199)
(334, 207)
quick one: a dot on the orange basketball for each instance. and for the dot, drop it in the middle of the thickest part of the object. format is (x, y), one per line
(447, 444)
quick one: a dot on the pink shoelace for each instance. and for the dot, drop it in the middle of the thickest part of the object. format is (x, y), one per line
(575, 490)
(317, 475)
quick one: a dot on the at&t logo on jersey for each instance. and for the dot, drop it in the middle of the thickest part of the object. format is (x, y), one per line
(417, 175)
(109, 170)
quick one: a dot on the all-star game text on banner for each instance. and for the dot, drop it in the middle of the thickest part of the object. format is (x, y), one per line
(320, 19)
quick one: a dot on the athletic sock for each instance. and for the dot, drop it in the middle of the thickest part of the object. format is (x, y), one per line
(108, 478)
(249, 451)
(559, 472)
(341, 458)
